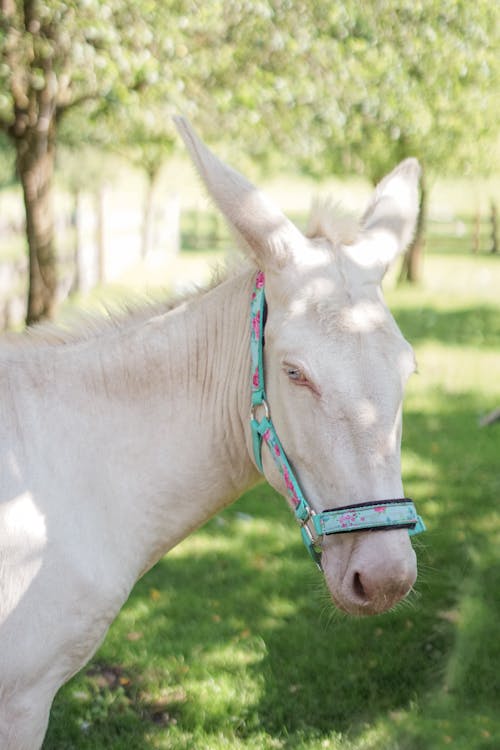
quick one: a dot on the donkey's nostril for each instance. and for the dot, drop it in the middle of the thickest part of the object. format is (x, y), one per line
(358, 586)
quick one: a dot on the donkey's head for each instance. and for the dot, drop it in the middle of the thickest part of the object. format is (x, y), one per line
(336, 365)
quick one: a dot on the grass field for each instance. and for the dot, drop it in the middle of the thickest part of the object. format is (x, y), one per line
(230, 642)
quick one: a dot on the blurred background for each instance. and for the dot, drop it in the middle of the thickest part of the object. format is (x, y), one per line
(329, 96)
(230, 642)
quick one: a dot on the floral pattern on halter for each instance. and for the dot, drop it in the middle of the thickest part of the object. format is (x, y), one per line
(388, 514)
(264, 429)
(256, 342)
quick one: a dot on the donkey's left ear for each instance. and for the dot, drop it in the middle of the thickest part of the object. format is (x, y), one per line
(266, 233)
(390, 219)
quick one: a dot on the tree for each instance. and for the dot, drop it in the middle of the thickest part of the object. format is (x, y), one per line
(336, 87)
(146, 139)
(7, 171)
(56, 55)
(355, 87)
(411, 78)
(60, 57)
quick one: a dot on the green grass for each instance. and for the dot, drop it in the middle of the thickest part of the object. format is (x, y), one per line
(230, 642)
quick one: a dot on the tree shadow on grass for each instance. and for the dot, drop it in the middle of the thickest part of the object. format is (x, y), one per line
(309, 675)
(246, 608)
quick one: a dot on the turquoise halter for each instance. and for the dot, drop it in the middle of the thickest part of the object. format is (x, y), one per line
(384, 514)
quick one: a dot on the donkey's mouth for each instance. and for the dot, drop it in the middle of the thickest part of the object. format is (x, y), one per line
(361, 608)
(378, 574)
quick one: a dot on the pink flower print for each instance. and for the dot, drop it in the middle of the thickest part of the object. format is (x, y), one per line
(256, 325)
(379, 509)
(255, 379)
(289, 485)
(277, 451)
(347, 519)
(267, 435)
(260, 280)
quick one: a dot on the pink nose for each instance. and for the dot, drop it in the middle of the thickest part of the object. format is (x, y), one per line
(377, 590)
(380, 569)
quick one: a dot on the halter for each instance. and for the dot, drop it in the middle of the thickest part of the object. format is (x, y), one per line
(399, 513)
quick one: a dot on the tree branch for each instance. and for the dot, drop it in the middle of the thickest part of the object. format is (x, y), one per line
(66, 106)
(493, 416)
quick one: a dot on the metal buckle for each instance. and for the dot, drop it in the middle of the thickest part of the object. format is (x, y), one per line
(311, 541)
(309, 529)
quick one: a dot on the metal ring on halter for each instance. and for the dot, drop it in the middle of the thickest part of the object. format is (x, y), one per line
(254, 408)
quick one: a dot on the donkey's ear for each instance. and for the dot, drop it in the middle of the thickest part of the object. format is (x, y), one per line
(270, 237)
(390, 219)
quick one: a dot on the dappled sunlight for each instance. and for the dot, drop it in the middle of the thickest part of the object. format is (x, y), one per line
(223, 620)
(232, 640)
(214, 700)
(243, 650)
(242, 525)
(428, 727)
(24, 527)
(450, 370)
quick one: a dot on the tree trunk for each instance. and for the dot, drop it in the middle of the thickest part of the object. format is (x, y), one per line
(411, 267)
(76, 285)
(100, 200)
(476, 234)
(28, 52)
(494, 228)
(35, 166)
(148, 224)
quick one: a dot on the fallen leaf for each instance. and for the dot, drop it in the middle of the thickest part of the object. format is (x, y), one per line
(134, 635)
(154, 595)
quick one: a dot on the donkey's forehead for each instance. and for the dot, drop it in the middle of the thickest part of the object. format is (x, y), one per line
(334, 317)
(327, 271)
(330, 291)
(312, 330)
(328, 304)
(355, 315)
(333, 301)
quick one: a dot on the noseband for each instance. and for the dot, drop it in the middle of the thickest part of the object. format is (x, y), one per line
(399, 513)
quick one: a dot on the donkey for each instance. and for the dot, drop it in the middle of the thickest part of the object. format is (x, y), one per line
(119, 440)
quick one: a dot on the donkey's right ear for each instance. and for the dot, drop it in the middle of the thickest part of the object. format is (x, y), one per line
(269, 237)
(390, 218)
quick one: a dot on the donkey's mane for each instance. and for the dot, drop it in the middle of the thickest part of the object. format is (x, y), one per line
(327, 220)
(84, 326)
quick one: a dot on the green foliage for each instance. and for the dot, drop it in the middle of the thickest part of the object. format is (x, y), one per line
(336, 87)
(230, 641)
(85, 50)
(408, 78)
(7, 171)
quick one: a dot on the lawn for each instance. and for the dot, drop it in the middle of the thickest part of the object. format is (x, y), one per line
(230, 641)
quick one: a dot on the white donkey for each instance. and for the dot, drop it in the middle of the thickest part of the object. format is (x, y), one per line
(118, 441)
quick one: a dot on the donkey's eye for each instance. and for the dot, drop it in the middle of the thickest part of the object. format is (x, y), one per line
(296, 374)
(298, 377)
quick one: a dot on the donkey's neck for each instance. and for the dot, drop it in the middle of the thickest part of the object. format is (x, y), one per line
(191, 415)
(157, 417)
